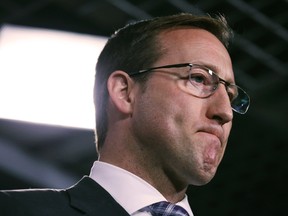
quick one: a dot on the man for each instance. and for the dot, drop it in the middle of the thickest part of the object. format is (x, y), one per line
(164, 95)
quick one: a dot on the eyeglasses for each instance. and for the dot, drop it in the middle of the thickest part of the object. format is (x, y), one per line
(204, 82)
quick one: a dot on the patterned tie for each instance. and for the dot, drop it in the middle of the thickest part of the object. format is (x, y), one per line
(166, 209)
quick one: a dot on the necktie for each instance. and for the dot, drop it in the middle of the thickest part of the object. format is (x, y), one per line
(166, 209)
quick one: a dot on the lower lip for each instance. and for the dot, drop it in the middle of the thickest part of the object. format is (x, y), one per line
(210, 154)
(211, 149)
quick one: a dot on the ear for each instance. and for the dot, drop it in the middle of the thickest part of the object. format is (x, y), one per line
(119, 86)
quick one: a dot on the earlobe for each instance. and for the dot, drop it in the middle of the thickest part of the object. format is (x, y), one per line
(119, 86)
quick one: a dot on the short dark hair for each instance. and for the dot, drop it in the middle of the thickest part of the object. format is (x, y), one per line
(135, 47)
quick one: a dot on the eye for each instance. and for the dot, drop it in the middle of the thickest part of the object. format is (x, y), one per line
(199, 76)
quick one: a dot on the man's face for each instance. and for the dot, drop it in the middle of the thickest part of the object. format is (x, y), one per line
(186, 135)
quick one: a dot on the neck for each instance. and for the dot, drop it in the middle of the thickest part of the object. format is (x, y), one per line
(137, 162)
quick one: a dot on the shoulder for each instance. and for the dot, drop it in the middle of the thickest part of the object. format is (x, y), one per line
(86, 196)
(35, 195)
(42, 202)
(23, 202)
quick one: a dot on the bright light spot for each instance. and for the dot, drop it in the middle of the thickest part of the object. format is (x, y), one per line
(47, 76)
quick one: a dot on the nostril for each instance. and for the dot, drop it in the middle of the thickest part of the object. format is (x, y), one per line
(218, 119)
(223, 117)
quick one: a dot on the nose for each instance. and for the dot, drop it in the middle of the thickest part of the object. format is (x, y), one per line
(220, 106)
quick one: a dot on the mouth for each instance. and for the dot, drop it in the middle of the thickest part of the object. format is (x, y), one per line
(215, 132)
(213, 140)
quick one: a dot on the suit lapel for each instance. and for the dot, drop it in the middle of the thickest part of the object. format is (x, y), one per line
(89, 197)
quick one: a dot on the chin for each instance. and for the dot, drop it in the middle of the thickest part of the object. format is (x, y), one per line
(202, 181)
(204, 177)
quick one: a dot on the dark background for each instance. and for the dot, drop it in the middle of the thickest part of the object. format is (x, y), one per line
(252, 177)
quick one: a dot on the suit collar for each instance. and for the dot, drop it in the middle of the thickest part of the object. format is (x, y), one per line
(89, 197)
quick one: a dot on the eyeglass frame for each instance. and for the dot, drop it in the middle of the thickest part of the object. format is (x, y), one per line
(210, 72)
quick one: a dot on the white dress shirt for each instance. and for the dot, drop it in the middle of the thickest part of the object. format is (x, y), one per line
(130, 191)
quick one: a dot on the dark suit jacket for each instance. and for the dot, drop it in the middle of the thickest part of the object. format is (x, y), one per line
(85, 198)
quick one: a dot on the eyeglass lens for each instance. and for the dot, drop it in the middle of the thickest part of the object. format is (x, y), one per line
(206, 82)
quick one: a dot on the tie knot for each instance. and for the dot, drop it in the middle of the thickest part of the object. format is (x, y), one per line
(167, 209)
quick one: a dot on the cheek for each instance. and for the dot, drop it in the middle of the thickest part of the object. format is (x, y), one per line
(158, 117)
(227, 128)
(149, 117)
(166, 115)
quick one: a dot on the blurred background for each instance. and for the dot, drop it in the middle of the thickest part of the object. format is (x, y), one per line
(252, 179)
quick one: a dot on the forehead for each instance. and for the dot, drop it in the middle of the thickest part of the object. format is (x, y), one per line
(191, 45)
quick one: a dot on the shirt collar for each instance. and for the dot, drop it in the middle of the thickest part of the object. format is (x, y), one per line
(125, 188)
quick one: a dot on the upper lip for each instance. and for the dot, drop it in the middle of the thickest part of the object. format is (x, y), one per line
(214, 130)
